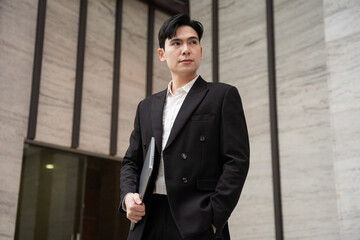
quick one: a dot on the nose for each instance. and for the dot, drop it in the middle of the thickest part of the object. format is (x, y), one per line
(185, 50)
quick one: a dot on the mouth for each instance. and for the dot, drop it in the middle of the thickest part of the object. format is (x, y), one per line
(186, 61)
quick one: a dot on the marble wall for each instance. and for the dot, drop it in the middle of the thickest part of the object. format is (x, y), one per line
(201, 10)
(133, 68)
(161, 73)
(342, 38)
(17, 40)
(243, 63)
(98, 76)
(56, 100)
(307, 173)
(59, 65)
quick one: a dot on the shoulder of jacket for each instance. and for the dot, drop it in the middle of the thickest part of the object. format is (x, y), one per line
(219, 86)
(149, 99)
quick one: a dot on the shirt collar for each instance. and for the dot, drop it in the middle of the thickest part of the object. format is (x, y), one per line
(186, 87)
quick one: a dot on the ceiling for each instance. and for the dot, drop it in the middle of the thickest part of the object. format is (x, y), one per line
(171, 7)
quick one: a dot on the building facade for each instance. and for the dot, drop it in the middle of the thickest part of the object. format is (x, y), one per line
(59, 67)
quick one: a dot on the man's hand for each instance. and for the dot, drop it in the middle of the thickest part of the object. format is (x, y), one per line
(135, 208)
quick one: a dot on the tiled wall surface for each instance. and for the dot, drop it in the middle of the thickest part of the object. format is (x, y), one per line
(17, 40)
(342, 37)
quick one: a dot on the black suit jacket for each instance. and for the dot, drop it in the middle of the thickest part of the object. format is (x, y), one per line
(206, 158)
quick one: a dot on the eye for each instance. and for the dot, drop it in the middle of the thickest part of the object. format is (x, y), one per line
(194, 42)
(175, 44)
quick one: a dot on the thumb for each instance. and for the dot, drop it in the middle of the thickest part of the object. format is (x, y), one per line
(137, 199)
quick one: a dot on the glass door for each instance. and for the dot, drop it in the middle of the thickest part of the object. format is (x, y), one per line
(51, 193)
(69, 196)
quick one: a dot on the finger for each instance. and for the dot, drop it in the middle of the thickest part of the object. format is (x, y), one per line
(134, 218)
(137, 199)
(136, 214)
(137, 208)
(129, 200)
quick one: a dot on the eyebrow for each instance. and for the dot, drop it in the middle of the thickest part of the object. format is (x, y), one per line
(178, 39)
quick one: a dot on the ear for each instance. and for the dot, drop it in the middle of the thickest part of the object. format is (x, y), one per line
(200, 52)
(161, 54)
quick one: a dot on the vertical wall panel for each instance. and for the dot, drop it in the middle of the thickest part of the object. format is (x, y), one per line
(161, 73)
(17, 41)
(342, 34)
(307, 173)
(98, 77)
(55, 114)
(133, 67)
(243, 63)
(201, 10)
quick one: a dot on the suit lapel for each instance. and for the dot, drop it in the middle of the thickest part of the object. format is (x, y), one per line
(157, 107)
(192, 100)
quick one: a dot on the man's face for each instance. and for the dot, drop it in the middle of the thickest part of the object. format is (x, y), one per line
(183, 52)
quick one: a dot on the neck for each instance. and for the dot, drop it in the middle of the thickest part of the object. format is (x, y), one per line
(179, 81)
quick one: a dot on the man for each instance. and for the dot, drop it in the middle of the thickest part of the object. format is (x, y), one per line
(202, 148)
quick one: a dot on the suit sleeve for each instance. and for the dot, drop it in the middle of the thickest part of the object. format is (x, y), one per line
(235, 153)
(132, 162)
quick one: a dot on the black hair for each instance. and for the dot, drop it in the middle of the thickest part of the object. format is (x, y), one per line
(168, 29)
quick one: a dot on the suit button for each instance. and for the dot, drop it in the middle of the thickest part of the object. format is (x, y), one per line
(202, 138)
(184, 156)
(184, 180)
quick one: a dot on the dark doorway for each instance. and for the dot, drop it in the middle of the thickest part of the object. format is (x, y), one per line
(65, 195)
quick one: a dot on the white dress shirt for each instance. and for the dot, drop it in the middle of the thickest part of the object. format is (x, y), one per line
(172, 106)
